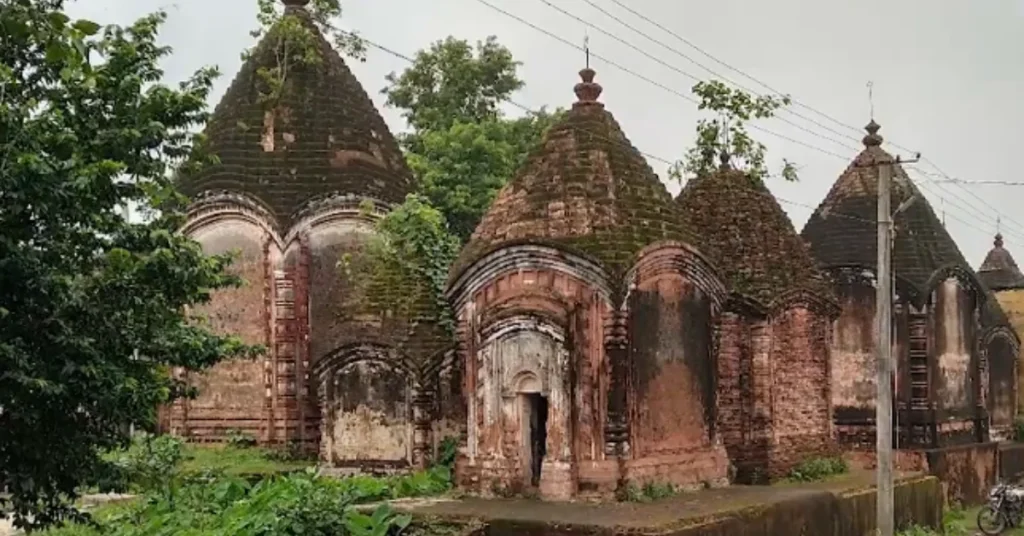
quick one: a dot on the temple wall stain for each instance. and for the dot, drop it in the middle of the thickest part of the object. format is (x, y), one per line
(369, 411)
(231, 394)
(1012, 302)
(670, 327)
(853, 348)
(954, 336)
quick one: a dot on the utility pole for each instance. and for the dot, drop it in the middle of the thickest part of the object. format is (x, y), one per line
(883, 316)
(883, 320)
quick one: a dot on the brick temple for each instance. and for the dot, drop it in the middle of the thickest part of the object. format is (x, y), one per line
(607, 334)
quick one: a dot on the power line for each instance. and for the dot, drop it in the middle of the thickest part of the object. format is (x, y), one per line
(958, 183)
(660, 159)
(683, 95)
(714, 73)
(651, 81)
(726, 65)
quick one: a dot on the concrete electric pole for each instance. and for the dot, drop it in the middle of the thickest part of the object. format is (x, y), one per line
(884, 362)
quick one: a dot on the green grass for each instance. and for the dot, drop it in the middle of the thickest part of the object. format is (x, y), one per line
(236, 460)
(968, 524)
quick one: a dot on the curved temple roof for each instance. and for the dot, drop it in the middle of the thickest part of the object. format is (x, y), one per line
(585, 190)
(323, 136)
(741, 226)
(842, 231)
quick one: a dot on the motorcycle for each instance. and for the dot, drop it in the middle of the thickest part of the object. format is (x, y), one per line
(1004, 510)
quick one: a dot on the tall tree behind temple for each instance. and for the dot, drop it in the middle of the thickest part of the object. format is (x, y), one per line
(462, 148)
(86, 127)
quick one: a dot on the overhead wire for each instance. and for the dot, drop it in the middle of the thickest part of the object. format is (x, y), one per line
(959, 184)
(692, 100)
(664, 160)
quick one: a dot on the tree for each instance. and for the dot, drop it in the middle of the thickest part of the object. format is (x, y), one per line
(448, 84)
(727, 133)
(462, 148)
(86, 127)
(294, 42)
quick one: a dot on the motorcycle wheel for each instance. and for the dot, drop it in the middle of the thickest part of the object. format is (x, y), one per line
(991, 522)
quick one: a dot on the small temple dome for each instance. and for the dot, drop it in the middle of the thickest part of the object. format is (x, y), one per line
(749, 237)
(322, 137)
(999, 271)
(584, 189)
(842, 231)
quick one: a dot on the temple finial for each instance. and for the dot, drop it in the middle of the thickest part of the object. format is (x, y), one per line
(587, 91)
(999, 240)
(873, 139)
(295, 3)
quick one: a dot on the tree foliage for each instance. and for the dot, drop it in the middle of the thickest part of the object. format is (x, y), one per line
(295, 43)
(726, 133)
(412, 252)
(86, 127)
(462, 148)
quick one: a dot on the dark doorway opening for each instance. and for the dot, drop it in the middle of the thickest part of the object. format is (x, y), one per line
(537, 406)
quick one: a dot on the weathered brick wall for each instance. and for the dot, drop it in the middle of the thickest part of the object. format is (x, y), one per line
(1002, 386)
(955, 380)
(673, 403)
(363, 380)
(801, 394)
(232, 394)
(853, 358)
(559, 316)
(673, 385)
(744, 387)
(1012, 302)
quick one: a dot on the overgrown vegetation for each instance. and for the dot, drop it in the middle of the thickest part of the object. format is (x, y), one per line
(955, 522)
(1018, 429)
(726, 133)
(651, 491)
(96, 308)
(179, 500)
(816, 469)
(462, 147)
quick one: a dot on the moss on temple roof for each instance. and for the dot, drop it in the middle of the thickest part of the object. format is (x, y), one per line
(842, 231)
(585, 190)
(748, 236)
(324, 136)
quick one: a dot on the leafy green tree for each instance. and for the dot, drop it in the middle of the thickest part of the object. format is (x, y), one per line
(85, 128)
(417, 249)
(462, 148)
(727, 134)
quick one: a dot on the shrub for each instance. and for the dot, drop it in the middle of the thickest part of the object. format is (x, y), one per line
(150, 463)
(240, 439)
(814, 469)
(1018, 429)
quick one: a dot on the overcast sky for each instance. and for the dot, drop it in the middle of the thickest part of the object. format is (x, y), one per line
(946, 75)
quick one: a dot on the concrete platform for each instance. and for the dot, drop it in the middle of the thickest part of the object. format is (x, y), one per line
(843, 507)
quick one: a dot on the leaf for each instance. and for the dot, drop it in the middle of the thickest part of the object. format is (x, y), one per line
(87, 27)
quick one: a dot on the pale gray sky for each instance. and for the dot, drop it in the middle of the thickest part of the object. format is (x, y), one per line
(946, 75)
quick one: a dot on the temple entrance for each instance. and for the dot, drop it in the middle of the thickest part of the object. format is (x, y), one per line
(535, 433)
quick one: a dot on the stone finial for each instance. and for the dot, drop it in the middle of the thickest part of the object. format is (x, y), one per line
(723, 160)
(999, 240)
(873, 139)
(587, 91)
(295, 3)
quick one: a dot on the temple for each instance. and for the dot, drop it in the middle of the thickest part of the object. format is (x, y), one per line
(300, 182)
(774, 355)
(606, 335)
(944, 330)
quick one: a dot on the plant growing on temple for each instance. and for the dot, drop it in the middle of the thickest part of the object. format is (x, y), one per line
(295, 42)
(462, 148)
(726, 132)
(86, 127)
(405, 266)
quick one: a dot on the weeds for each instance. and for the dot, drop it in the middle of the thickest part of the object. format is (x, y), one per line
(816, 469)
